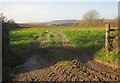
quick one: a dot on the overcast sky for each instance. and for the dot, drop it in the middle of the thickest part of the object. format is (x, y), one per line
(47, 11)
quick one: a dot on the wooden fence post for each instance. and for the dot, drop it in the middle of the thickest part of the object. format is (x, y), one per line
(107, 40)
(118, 39)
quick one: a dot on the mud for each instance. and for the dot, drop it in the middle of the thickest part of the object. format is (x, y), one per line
(74, 67)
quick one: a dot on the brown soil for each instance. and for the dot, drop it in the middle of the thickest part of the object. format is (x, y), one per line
(67, 71)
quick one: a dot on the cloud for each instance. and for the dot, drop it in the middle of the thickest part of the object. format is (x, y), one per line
(46, 11)
(21, 8)
(20, 11)
(60, 1)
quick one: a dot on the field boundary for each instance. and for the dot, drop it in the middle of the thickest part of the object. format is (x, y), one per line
(109, 39)
(111, 65)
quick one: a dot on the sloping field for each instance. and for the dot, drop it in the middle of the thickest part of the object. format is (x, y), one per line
(49, 54)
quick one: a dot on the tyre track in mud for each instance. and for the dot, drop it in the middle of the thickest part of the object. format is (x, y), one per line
(66, 70)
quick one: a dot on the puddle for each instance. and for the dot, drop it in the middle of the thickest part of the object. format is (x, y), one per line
(33, 63)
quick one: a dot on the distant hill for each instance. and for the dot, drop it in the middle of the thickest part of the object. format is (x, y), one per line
(69, 23)
(56, 22)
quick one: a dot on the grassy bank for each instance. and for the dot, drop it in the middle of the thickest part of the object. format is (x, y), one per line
(111, 58)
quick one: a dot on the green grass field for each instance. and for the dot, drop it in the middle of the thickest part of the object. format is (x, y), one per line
(88, 41)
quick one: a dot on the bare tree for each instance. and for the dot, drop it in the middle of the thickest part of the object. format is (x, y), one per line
(11, 21)
(3, 19)
(91, 16)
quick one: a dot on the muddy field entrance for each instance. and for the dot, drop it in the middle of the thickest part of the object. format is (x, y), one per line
(55, 58)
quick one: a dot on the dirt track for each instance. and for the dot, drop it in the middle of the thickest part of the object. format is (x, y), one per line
(66, 71)
(73, 67)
